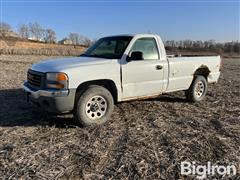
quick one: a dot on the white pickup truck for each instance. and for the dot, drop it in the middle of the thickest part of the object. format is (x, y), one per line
(115, 69)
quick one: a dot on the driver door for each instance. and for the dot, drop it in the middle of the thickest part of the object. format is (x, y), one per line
(143, 77)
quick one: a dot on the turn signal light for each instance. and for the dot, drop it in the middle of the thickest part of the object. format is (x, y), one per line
(62, 77)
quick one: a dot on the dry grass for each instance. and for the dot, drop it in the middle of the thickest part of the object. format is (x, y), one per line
(143, 139)
(15, 46)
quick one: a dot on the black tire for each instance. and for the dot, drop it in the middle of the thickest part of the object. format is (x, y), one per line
(100, 108)
(197, 90)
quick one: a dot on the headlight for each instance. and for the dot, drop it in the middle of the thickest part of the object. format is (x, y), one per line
(57, 80)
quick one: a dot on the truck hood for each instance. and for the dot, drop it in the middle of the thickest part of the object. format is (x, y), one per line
(60, 65)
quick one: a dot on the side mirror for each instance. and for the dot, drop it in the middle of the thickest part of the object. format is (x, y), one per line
(135, 55)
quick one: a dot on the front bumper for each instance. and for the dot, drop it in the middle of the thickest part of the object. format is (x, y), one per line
(45, 93)
(56, 101)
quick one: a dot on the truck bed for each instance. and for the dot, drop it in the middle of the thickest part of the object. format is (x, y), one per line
(182, 69)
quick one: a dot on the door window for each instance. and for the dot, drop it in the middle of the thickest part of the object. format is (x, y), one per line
(148, 47)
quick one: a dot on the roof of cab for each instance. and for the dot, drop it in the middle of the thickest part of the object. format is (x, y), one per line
(130, 35)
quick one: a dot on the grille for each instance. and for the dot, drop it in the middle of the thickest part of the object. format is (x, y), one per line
(34, 79)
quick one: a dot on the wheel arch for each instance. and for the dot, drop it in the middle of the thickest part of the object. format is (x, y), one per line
(203, 70)
(106, 83)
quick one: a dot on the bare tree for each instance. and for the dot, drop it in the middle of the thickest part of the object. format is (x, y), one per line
(74, 37)
(197, 44)
(167, 43)
(78, 39)
(23, 31)
(180, 44)
(81, 40)
(37, 32)
(209, 44)
(187, 43)
(236, 47)
(50, 36)
(86, 41)
(5, 29)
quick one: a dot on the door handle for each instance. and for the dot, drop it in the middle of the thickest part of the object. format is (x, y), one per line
(159, 67)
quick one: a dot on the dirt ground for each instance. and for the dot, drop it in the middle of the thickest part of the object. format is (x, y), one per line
(143, 139)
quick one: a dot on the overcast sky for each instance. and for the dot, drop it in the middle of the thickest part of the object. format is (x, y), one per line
(172, 19)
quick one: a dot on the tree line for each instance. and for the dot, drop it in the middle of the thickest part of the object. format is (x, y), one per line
(35, 31)
(210, 45)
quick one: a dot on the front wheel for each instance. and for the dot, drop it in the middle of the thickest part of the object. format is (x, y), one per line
(94, 106)
(197, 90)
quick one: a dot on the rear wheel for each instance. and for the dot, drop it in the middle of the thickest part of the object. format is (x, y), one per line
(197, 90)
(94, 106)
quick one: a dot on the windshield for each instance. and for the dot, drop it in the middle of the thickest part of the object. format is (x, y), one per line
(109, 47)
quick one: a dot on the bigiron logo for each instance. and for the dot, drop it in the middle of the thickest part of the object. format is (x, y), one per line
(204, 171)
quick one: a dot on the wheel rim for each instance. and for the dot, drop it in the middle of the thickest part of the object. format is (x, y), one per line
(199, 89)
(96, 107)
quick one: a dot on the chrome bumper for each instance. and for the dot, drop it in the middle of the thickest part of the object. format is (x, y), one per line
(45, 93)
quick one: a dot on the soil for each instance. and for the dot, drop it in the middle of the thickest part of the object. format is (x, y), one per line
(143, 139)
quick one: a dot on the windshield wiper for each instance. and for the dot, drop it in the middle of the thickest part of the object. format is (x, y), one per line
(94, 55)
(89, 55)
(85, 55)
